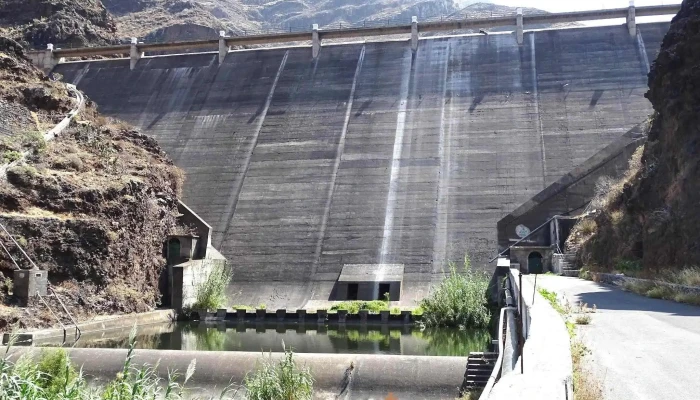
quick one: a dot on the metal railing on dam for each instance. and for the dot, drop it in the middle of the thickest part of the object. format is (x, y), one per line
(365, 29)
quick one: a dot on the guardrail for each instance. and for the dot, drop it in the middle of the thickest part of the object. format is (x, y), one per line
(354, 31)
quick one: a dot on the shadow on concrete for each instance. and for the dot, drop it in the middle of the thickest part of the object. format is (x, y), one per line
(613, 298)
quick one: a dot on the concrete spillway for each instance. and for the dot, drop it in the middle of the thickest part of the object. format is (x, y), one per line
(374, 154)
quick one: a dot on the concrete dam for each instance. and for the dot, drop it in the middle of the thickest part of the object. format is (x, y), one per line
(374, 158)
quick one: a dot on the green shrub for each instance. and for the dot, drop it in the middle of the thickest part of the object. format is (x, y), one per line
(211, 294)
(280, 381)
(353, 307)
(56, 370)
(22, 175)
(630, 267)
(551, 297)
(11, 156)
(53, 378)
(459, 301)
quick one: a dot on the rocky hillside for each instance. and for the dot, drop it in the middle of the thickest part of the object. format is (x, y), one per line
(65, 23)
(93, 206)
(650, 220)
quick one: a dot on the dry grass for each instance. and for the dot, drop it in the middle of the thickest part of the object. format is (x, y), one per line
(689, 276)
(661, 291)
(587, 226)
(583, 319)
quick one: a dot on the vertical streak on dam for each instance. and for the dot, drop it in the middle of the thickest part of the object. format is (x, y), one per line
(442, 193)
(303, 166)
(336, 165)
(225, 222)
(396, 157)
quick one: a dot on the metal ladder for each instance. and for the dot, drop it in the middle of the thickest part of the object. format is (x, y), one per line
(52, 292)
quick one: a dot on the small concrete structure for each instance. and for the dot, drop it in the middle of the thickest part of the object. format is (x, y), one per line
(631, 19)
(29, 283)
(370, 282)
(134, 53)
(519, 25)
(223, 47)
(315, 42)
(414, 33)
(44, 59)
(524, 255)
(181, 248)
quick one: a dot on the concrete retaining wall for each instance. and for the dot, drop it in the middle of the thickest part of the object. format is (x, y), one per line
(620, 280)
(546, 358)
(351, 376)
(55, 335)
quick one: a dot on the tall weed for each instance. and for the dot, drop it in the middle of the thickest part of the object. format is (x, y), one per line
(211, 294)
(280, 381)
(459, 301)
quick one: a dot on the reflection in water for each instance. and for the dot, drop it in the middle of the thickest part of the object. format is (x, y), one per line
(405, 340)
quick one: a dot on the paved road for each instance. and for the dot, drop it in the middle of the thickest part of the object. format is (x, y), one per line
(641, 348)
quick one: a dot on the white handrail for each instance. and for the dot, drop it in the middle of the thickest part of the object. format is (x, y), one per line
(53, 132)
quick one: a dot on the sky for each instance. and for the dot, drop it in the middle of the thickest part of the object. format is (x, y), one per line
(581, 5)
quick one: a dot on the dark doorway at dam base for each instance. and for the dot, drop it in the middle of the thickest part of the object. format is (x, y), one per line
(372, 154)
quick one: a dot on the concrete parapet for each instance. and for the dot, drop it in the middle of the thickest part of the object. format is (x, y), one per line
(363, 316)
(44, 59)
(315, 42)
(281, 314)
(371, 376)
(301, 315)
(134, 53)
(414, 33)
(118, 322)
(547, 367)
(519, 25)
(221, 314)
(240, 314)
(384, 314)
(631, 20)
(322, 316)
(260, 314)
(342, 316)
(223, 47)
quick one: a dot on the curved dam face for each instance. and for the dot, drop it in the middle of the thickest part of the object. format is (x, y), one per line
(373, 154)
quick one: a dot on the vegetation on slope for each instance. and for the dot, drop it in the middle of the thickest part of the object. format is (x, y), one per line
(92, 207)
(65, 23)
(650, 219)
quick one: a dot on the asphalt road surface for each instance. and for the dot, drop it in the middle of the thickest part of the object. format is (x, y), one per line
(641, 348)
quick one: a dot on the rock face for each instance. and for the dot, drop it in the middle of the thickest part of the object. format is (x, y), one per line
(93, 206)
(654, 219)
(65, 23)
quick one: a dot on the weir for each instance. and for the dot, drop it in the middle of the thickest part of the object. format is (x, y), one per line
(372, 153)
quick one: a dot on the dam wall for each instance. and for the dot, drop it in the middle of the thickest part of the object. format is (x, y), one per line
(373, 153)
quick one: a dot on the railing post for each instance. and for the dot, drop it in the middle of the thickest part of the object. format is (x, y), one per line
(223, 48)
(631, 19)
(315, 41)
(414, 33)
(519, 25)
(134, 53)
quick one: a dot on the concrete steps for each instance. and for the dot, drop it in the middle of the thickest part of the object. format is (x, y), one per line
(479, 368)
(567, 263)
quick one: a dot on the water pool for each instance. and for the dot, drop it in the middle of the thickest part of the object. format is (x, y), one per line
(351, 339)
